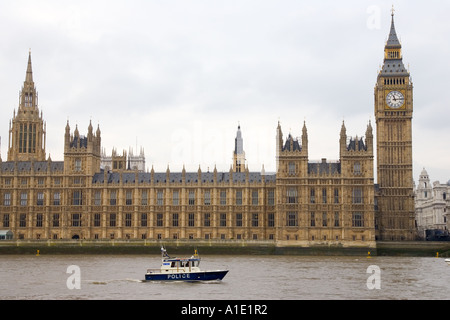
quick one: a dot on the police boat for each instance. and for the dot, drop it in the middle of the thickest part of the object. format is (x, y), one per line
(182, 269)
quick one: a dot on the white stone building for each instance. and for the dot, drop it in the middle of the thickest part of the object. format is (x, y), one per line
(432, 201)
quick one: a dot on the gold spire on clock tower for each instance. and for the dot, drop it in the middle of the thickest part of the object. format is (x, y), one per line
(393, 114)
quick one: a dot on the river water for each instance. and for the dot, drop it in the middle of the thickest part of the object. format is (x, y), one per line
(250, 278)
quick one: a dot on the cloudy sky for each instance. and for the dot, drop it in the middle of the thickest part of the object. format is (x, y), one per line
(177, 77)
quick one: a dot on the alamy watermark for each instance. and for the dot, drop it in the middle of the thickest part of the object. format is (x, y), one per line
(374, 280)
(374, 20)
(74, 280)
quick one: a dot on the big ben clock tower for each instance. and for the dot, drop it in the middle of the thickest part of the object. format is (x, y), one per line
(394, 219)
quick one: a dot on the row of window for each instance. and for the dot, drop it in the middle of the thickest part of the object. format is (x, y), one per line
(291, 220)
(291, 197)
(77, 198)
(292, 168)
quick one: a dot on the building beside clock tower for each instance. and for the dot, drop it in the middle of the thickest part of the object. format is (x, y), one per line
(394, 217)
(305, 203)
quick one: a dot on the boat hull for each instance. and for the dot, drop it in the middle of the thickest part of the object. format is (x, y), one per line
(187, 276)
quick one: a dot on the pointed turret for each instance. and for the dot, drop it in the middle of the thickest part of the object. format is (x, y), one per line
(393, 62)
(238, 154)
(29, 75)
(393, 41)
(27, 133)
(304, 137)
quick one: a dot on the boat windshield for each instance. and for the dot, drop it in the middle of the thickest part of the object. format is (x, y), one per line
(184, 263)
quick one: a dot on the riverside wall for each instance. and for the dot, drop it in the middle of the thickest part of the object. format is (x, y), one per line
(178, 247)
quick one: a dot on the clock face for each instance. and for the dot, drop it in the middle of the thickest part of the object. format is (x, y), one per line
(395, 99)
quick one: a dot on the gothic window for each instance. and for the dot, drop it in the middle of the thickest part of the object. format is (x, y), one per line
(144, 199)
(97, 198)
(175, 198)
(56, 198)
(129, 198)
(312, 198)
(356, 168)
(77, 198)
(292, 195)
(39, 220)
(255, 197)
(239, 197)
(357, 219)
(291, 168)
(255, 220)
(7, 199)
(223, 219)
(159, 198)
(143, 220)
(271, 197)
(128, 221)
(159, 220)
(112, 220)
(23, 198)
(223, 197)
(313, 219)
(271, 220)
(207, 220)
(97, 220)
(77, 165)
(175, 220)
(324, 195)
(238, 219)
(207, 200)
(191, 220)
(28, 99)
(23, 220)
(55, 220)
(191, 200)
(112, 198)
(40, 199)
(6, 220)
(357, 195)
(336, 195)
(292, 219)
(324, 219)
(336, 219)
(76, 220)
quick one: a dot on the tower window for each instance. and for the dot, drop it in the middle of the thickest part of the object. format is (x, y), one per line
(291, 168)
(77, 164)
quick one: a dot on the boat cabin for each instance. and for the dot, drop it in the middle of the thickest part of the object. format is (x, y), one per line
(181, 263)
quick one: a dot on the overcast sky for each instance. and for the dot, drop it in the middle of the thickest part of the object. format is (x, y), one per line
(177, 77)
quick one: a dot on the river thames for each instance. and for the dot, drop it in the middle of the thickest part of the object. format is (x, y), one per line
(114, 277)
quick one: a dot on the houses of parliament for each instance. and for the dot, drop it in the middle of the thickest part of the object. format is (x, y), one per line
(91, 196)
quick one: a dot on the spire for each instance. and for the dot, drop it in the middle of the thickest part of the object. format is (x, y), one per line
(29, 75)
(239, 144)
(393, 39)
(393, 61)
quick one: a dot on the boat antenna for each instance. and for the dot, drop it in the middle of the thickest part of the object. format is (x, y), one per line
(164, 252)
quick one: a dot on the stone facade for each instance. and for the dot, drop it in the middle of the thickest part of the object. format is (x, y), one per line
(304, 203)
(394, 218)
